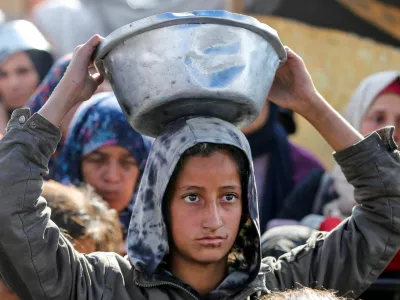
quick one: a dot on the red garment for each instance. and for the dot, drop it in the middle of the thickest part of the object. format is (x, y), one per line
(331, 222)
(393, 88)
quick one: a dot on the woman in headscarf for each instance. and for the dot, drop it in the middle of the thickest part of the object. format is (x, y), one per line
(103, 150)
(375, 104)
(25, 59)
(42, 94)
(194, 232)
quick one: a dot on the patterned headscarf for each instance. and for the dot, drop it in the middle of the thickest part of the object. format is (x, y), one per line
(49, 83)
(42, 94)
(99, 122)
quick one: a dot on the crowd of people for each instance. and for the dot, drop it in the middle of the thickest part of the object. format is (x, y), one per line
(255, 216)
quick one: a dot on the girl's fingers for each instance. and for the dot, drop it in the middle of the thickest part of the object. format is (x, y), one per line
(77, 49)
(83, 53)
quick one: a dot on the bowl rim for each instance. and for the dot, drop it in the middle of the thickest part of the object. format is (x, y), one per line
(218, 17)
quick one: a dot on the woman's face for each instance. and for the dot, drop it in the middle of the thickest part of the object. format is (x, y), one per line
(18, 80)
(113, 172)
(205, 208)
(384, 111)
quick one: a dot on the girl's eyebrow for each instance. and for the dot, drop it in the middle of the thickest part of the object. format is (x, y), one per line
(231, 187)
(191, 187)
(195, 187)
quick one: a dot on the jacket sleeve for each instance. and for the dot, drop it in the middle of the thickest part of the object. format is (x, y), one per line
(351, 257)
(36, 261)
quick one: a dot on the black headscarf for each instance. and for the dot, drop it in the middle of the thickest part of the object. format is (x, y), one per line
(42, 61)
(272, 139)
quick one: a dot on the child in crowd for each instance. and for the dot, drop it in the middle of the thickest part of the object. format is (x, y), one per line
(194, 231)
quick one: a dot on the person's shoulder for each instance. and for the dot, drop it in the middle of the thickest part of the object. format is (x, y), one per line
(304, 155)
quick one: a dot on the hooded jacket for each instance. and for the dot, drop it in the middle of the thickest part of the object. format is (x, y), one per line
(38, 262)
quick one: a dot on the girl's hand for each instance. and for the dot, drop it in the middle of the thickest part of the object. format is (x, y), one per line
(293, 87)
(77, 78)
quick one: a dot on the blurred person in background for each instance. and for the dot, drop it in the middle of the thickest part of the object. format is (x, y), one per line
(25, 59)
(42, 94)
(68, 23)
(278, 163)
(103, 151)
(375, 104)
(84, 218)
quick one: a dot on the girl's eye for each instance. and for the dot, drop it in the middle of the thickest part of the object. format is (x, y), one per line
(191, 198)
(230, 198)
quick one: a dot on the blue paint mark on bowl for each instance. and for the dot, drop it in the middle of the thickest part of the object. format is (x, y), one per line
(225, 77)
(218, 79)
(233, 48)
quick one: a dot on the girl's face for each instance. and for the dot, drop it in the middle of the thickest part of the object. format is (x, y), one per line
(384, 111)
(18, 80)
(113, 172)
(205, 209)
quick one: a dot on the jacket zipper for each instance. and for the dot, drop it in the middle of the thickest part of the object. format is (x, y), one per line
(151, 285)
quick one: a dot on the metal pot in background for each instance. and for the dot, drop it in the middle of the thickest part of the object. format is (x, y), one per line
(209, 63)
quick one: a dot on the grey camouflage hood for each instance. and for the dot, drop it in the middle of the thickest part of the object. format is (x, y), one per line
(148, 237)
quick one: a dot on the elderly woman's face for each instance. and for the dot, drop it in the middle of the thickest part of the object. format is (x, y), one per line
(18, 80)
(113, 172)
(384, 111)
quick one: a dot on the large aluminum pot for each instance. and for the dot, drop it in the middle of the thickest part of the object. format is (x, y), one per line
(210, 63)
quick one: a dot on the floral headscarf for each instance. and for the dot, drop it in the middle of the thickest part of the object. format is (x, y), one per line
(97, 123)
(49, 83)
(42, 94)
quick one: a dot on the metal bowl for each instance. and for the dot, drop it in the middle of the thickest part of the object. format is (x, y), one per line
(209, 63)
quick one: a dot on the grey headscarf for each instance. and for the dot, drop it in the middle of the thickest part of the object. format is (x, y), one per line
(355, 111)
(148, 237)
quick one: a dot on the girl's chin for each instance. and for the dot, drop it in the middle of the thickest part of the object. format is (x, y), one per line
(210, 256)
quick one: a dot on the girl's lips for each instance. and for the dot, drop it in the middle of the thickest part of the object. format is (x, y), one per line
(211, 241)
